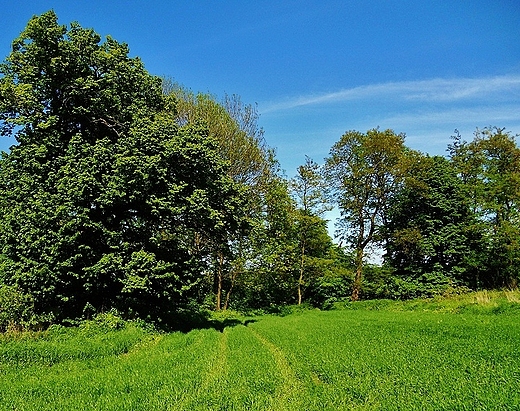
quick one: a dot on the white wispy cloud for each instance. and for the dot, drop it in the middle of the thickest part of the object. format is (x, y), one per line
(490, 114)
(434, 90)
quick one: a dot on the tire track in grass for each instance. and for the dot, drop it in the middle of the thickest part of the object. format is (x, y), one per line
(218, 369)
(169, 386)
(289, 395)
(183, 364)
(213, 380)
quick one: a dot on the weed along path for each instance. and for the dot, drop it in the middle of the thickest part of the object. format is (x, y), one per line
(336, 360)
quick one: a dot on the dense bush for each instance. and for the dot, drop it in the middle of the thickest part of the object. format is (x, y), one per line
(107, 202)
(324, 291)
(16, 308)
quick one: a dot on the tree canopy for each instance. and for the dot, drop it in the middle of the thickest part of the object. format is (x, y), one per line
(363, 170)
(105, 198)
(489, 166)
(432, 233)
(126, 191)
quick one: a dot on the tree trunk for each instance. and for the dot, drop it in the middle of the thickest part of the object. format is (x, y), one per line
(228, 294)
(300, 280)
(219, 281)
(359, 275)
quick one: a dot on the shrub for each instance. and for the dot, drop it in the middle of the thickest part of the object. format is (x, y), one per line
(16, 308)
(324, 291)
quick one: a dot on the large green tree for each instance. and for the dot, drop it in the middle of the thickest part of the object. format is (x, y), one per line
(308, 187)
(240, 142)
(489, 165)
(233, 124)
(106, 199)
(363, 171)
(432, 233)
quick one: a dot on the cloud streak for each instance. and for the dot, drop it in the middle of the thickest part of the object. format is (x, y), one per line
(458, 115)
(434, 90)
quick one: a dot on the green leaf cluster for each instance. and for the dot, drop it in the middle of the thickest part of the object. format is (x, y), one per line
(431, 229)
(106, 198)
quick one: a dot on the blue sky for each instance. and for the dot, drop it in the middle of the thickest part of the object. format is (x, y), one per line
(319, 68)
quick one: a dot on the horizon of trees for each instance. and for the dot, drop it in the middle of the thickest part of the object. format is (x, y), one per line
(130, 192)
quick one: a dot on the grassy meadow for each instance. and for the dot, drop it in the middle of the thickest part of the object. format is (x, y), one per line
(459, 353)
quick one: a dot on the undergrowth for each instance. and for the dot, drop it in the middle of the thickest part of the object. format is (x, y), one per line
(103, 336)
(480, 302)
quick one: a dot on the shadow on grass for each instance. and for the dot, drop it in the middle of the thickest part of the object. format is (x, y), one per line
(221, 325)
(189, 321)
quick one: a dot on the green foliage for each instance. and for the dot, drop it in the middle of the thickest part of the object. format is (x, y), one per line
(92, 341)
(63, 81)
(289, 245)
(454, 301)
(431, 231)
(330, 276)
(16, 308)
(309, 188)
(232, 124)
(363, 171)
(314, 242)
(489, 166)
(379, 280)
(103, 322)
(271, 274)
(127, 193)
(325, 290)
(240, 142)
(108, 202)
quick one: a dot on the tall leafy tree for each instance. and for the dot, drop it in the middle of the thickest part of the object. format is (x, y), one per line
(363, 171)
(105, 197)
(432, 232)
(309, 189)
(490, 167)
(240, 142)
(233, 124)
(274, 244)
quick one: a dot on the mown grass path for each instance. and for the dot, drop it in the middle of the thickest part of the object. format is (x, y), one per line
(289, 392)
(337, 360)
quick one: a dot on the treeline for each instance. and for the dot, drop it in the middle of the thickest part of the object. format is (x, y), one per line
(441, 223)
(129, 192)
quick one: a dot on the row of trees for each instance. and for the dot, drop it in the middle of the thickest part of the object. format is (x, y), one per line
(440, 221)
(131, 192)
(128, 191)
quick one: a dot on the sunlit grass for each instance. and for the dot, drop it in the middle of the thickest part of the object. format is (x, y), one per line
(402, 360)
(480, 302)
(455, 353)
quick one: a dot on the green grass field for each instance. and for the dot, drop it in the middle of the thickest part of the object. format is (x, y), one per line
(364, 356)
